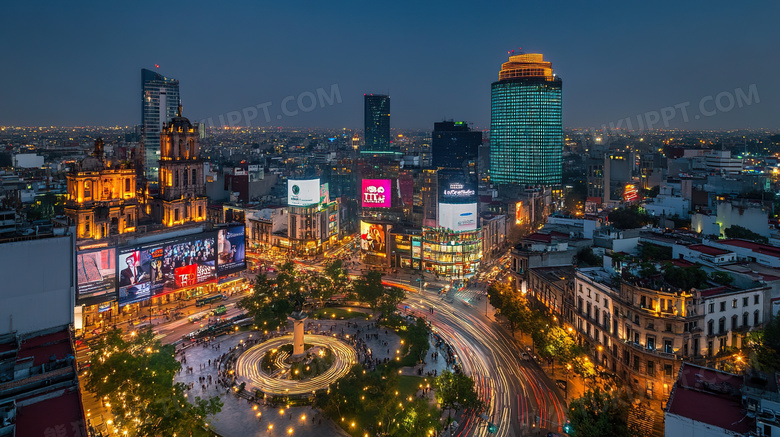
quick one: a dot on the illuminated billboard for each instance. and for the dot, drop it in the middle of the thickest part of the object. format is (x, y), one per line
(95, 272)
(161, 267)
(458, 217)
(373, 237)
(231, 250)
(457, 187)
(376, 193)
(303, 192)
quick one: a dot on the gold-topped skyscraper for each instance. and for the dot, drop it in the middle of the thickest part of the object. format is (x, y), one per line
(526, 126)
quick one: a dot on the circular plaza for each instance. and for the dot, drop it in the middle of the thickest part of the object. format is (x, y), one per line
(249, 366)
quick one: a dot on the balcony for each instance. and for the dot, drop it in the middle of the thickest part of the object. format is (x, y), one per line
(654, 351)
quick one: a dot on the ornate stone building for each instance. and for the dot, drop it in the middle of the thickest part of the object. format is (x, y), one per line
(182, 196)
(101, 197)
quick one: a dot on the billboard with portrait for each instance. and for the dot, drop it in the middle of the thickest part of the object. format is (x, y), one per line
(303, 192)
(376, 193)
(458, 217)
(373, 237)
(135, 274)
(161, 267)
(95, 272)
(231, 250)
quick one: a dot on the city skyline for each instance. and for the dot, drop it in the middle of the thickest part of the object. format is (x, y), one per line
(618, 64)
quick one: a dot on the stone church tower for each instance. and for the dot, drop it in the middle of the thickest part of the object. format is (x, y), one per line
(182, 184)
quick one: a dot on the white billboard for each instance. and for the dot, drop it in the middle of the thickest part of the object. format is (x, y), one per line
(458, 217)
(303, 192)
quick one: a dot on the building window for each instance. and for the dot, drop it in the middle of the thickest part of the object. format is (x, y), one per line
(127, 185)
(734, 303)
(651, 368)
(744, 301)
(668, 327)
(194, 176)
(87, 189)
(176, 215)
(636, 363)
(722, 306)
(721, 325)
(745, 320)
(200, 211)
(709, 327)
(734, 321)
(184, 176)
(668, 369)
(755, 299)
(712, 307)
(755, 318)
(176, 178)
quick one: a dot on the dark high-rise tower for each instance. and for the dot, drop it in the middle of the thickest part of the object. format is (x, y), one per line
(526, 130)
(377, 123)
(453, 143)
(160, 100)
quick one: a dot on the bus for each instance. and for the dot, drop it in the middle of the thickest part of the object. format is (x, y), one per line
(207, 300)
(218, 311)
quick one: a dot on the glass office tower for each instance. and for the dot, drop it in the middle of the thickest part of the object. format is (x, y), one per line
(377, 123)
(453, 143)
(526, 129)
(159, 104)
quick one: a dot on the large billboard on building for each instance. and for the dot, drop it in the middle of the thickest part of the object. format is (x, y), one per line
(457, 187)
(376, 193)
(373, 237)
(95, 272)
(458, 217)
(161, 267)
(303, 192)
(231, 250)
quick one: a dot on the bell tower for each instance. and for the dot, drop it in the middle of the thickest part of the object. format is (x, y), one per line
(182, 197)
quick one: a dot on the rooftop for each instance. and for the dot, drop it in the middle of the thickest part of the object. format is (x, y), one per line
(763, 249)
(709, 396)
(708, 250)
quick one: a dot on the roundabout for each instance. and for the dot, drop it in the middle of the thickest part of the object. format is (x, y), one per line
(249, 367)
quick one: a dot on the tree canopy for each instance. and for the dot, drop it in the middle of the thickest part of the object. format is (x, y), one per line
(600, 413)
(736, 231)
(629, 218)
(136, 378)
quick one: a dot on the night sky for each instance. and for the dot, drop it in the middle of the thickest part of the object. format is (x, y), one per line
(67, 64)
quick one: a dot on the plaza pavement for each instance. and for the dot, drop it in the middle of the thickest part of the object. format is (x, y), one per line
(238, 417)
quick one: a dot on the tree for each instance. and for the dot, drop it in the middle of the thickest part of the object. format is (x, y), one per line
(136, 379)
(685, 278)
(629, 218)
(272, 300)
(588, 258)
(765, 346)
(266, 304)
(722, 278)
(654, 252)
(369, 289)
(456, 390)
(390, 299)
(599, 413)
(736, 231)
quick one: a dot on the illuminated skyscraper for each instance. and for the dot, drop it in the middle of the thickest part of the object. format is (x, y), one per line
(526, 130)
(377, 123)
(160, 100)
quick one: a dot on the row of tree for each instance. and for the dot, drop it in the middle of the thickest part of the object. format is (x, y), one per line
(273, 299)
(551, 341)
(602, 410)
(135, 378)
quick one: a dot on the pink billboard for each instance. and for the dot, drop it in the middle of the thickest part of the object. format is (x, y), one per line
(376, 193)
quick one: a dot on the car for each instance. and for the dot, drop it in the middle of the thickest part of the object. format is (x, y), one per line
(195, 317)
